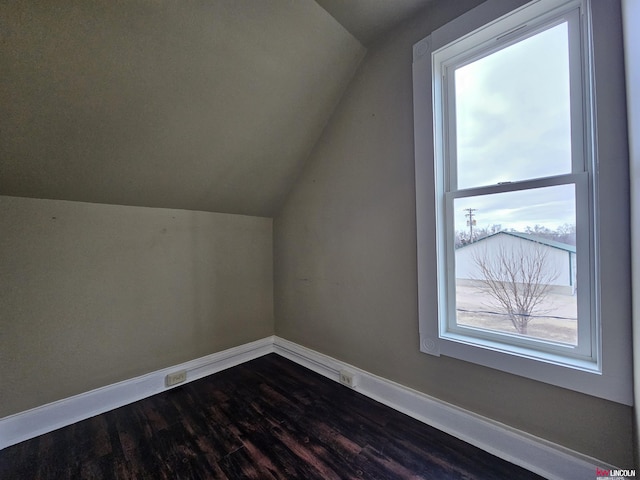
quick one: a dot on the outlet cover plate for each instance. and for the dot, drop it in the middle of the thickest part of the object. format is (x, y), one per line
(347, 378)
(175, 378)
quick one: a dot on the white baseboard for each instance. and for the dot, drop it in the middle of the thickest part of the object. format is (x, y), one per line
(538, 455)
(46, 418)
(535, 454)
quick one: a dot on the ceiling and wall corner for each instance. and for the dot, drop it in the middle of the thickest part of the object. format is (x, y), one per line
(211, 106)
(368, 20)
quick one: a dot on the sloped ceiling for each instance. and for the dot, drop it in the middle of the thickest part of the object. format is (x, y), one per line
(367, 20)
(203, 105)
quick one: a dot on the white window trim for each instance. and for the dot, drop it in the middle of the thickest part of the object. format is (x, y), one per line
(445, 61)
(610, 377)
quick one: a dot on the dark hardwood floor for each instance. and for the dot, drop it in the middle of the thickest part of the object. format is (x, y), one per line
(265, 419)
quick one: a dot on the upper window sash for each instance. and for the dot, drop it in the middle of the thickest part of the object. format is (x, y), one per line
(452, 57)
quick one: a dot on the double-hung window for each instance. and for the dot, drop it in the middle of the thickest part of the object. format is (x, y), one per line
(512, 145)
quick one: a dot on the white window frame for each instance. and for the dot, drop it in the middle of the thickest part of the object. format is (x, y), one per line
(445, 61)
(588, 368)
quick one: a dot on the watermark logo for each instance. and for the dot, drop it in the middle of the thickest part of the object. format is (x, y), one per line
(603, 474)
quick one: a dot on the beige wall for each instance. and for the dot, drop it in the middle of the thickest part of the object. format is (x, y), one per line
(94, 294)
(345, 265)
(631, 16)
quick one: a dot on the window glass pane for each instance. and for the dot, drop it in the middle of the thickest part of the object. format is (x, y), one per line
(515, 262)
(513, 112)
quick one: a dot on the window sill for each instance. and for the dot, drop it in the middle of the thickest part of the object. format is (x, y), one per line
(535, 355)
(582, 376)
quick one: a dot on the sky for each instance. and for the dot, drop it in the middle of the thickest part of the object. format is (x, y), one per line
(513, 123)
(550, 207)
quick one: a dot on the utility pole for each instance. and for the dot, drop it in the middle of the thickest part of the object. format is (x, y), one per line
(470, 221)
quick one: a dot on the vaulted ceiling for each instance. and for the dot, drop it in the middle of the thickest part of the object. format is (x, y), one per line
(205, 105)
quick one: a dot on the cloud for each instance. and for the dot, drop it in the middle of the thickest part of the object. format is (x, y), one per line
(513, 112)
(547, 206)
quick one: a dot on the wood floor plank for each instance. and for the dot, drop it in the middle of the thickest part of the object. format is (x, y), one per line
(268, 419)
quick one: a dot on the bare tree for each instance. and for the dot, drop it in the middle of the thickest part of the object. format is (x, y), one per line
(518, 279)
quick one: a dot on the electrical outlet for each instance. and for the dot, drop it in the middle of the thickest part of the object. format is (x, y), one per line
(175, 378)
(347, 378)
